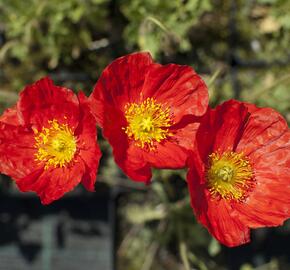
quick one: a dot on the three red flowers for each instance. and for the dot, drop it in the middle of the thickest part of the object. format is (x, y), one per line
(154, 116)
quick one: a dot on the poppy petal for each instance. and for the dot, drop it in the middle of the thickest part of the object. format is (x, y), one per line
(269, 203)
(52, 184)
(167, 155)
(12, 116)
(17, 151)
(215, 215)
(178, 87)
(121, 82)
(221, 128)
(89, 151)
(130, 159)
(185, 133)
(44, 101)
(263, 127)
(172, 95)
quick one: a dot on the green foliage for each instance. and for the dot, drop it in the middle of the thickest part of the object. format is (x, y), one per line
(44, 35)
(161, 26)
(160, 225)
(56, 30)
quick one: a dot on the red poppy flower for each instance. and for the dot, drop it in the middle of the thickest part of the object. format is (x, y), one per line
(148, 112)
(48, 141)
(239, 172)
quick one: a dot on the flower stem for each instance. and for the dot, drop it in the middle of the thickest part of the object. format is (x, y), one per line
(254, 97)
(183, 255)
(214, 77)
(158, 23)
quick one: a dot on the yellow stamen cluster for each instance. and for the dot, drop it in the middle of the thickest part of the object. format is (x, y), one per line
(229, 175)
(56, 145)
(148, 123)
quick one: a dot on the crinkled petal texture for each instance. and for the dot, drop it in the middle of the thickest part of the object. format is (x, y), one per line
(133, 79)
(263, 136)
(39, 107)
(43, 101)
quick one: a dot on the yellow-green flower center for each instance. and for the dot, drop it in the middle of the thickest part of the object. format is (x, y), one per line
(56, 145)
(148, 123)
(229, 175)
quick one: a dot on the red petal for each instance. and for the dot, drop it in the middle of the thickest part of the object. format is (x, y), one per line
(216, 215)
(87, 143)
(134, 166)
(221, 128)
(136, 162)
(17, 152)
(263, 127)
(185, 132)
(130, 159)
(224, 226)
(167, 155)
(43, 101)
(121, 82)
(52, 184)
(178, 87)
(12, 117)
(30, 182)
(269, 203)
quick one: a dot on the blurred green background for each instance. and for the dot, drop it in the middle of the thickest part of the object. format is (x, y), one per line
(240, 48)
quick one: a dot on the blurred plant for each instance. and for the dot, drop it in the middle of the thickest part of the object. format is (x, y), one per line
(157, 25)
(44, 35)
(166, 226)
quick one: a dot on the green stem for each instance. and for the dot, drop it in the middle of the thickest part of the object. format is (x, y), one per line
(183, 255)
(197, 261)
(274, 85)
(214, 77)
(158, 23)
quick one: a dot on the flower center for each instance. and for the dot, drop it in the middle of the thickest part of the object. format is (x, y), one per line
(229, 175)
(56, 145)
(148, 123)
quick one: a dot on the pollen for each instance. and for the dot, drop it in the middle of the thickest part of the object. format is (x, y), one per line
(148, 123)
(229, 175)
(56, 145)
